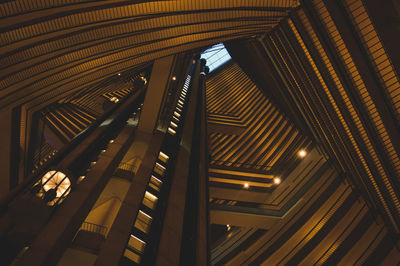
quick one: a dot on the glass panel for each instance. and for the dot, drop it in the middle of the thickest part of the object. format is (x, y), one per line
(132, 256)
(143, 222)
(216, 56)
(155, 183)
(150, 200)
(136, 244)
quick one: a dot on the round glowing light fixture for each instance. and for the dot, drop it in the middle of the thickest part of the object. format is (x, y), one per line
(144, 79)
(173, 78)
(246, 185)
(277, 180)
(119, 74)
(302, 153)
(58, 181)
(114, 99)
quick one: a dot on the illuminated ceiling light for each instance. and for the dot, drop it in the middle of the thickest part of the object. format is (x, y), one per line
(171, 131)
(228, 227)
(277, 180)
(302, 153)
(144, 79)
(58, 181)
(80, 179)
(173, 78)
(114, 99)
(163, 157)
(111, 141)
(246, 185)
(175, 118)
(150, 196)
(119, 74)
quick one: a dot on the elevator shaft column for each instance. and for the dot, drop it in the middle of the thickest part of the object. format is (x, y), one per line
(159, 81)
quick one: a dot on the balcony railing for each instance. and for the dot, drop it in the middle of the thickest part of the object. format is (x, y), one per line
(94, 228)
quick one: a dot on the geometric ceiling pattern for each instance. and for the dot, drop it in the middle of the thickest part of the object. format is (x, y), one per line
(353, 114)
(47, 52)
(313, 216)
(50, 50)
(266, 141)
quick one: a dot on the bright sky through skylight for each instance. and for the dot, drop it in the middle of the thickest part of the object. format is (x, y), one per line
(216, 56)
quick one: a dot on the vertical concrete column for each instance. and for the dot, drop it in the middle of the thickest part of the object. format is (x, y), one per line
(113, 249)
(5, 151)
(159, 80)
(202, 252)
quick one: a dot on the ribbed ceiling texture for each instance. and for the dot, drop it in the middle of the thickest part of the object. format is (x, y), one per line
(47, 53)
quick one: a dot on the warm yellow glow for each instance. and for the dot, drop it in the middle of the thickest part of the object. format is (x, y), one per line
(302, 153)
(80, 179)
(177, 114)
(52, 178)
(132, 256)
(163, 157)
(143, 221)
(114, 99)
(150, 200)
(136, 243)
(155, 183)
(173, 78)
(171, 131)
(277, 180)
(246, 185)
(159, 169)
(175, 118)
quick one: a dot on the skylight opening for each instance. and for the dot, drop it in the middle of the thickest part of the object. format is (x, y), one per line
(216, 56)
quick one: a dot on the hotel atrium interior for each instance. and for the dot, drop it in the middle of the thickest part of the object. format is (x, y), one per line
(200, 132)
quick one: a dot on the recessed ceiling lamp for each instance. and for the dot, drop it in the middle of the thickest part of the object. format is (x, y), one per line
(277, 180)
(246, 185)
(173, 78)
(302, 153)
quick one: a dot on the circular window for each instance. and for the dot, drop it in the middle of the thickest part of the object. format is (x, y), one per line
(55, 185)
